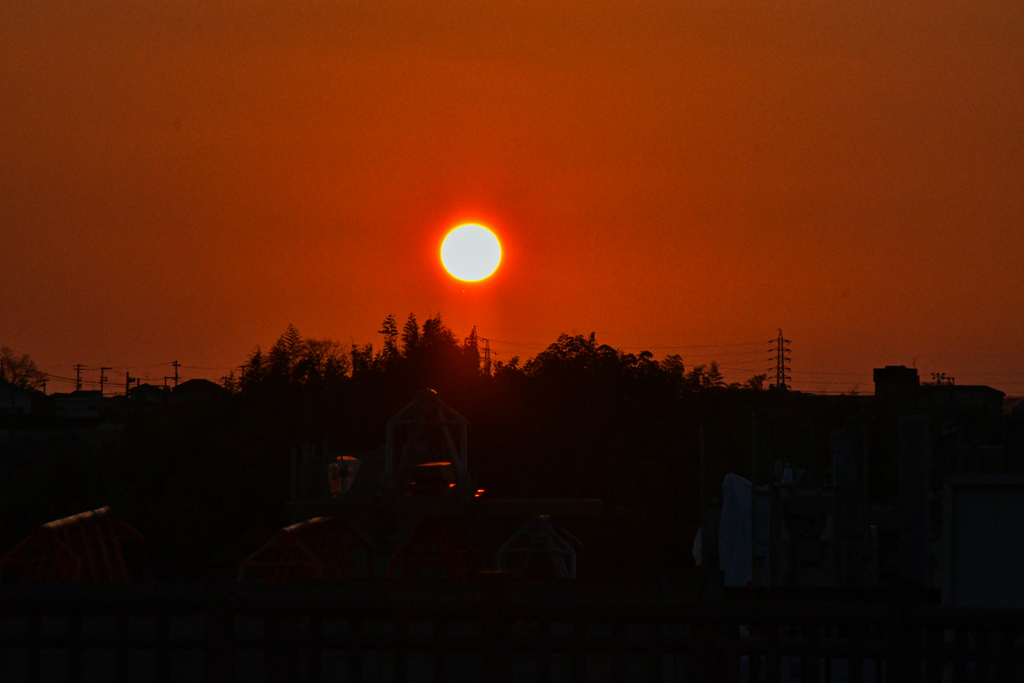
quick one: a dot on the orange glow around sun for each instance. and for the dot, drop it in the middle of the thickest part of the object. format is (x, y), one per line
(471, 252)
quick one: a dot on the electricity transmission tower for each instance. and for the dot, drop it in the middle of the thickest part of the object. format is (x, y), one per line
(781, 355)
(487, 355)
(474, 340)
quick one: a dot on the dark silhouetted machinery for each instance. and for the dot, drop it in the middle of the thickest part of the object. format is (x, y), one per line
(426, 451)
(410, 496)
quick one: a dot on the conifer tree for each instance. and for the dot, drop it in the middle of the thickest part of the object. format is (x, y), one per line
(410, 336)
(283, 358)
(389, 350)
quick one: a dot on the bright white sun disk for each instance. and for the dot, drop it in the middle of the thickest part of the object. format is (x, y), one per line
(471, 252)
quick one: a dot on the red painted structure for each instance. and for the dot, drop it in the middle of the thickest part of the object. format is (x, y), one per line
(434, 545)
(91, 547)
(317, 549)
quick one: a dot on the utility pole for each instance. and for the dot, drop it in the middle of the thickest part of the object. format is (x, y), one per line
(78, 377)
(781, 361)
(10, 415)
(127, 382)
(43, 382)
(176, 365)
(103, 378)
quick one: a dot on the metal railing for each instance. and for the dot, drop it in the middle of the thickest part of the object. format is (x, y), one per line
(487, 631)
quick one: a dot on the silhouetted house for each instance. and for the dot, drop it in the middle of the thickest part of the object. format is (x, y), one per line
(148, 396)
(199, 391)
(923, 480)
(79, 405)
(898, 389)
(961, 398)
(14, 400)
(1014, 439)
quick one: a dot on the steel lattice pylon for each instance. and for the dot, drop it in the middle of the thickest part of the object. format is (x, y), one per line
(781, 356)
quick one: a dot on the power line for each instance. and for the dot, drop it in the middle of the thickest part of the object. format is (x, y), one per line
(850, 374)
(670, 346)
(117, 367)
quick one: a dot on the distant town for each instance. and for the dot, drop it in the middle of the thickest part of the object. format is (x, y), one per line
(427, 461)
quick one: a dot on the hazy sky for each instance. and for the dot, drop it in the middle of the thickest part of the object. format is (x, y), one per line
(182, 180)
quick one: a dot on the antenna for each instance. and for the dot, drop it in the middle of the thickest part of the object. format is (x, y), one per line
(781, 361)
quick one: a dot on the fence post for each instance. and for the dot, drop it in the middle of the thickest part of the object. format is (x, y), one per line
(811, 663)
(495, 627)
(714, 650)
(906, 661)
(217, 659)
(75, 647)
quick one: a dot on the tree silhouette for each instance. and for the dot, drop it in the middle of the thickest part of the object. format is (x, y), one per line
(389, 353)
(362, 360)
(19, 369)
(410, 336)
(319, 361)
(756, 383)
(284, 355)
(713, 377)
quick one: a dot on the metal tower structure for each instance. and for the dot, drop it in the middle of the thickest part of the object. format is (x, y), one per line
(474, 340)
(426, 432)
(781, 355)
(487, 355)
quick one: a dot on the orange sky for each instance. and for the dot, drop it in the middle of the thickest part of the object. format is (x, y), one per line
(181, 181)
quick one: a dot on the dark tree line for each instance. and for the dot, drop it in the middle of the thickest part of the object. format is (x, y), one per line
(428, 355)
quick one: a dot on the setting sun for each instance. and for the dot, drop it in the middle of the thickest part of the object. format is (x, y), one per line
(471, 252)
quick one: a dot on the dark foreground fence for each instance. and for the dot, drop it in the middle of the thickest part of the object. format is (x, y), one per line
(488, 631)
